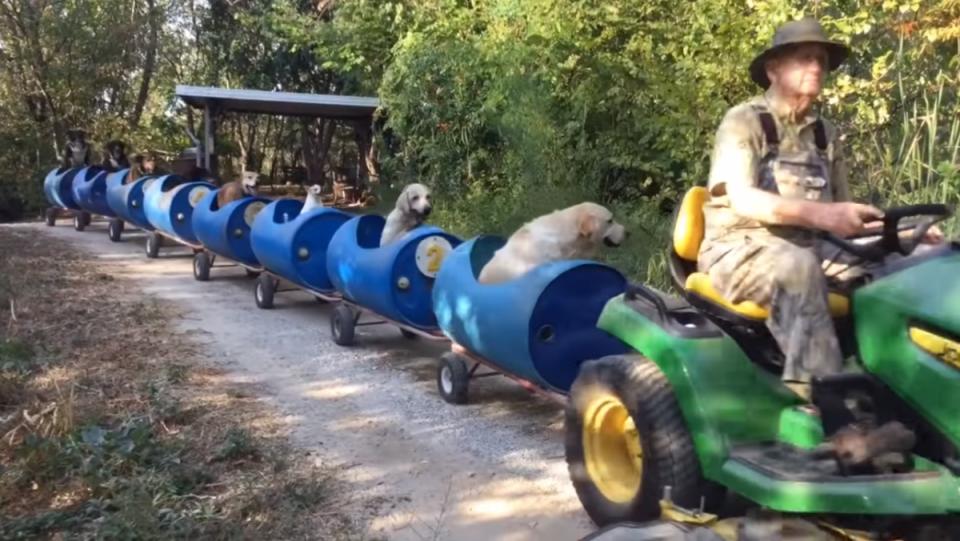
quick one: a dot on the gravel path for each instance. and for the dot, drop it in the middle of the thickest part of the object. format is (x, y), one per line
(492, 469)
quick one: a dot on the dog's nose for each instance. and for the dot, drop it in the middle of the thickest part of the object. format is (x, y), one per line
(426, 211)
(610, 242)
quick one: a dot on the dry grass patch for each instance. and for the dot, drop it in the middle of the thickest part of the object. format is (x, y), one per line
(113, 428)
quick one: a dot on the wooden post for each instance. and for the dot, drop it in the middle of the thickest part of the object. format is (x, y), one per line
(210, 118)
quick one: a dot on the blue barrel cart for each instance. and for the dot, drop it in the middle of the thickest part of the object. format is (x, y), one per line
(89, 190)
(224, 232)
(292, 248)
(58, 189)
(168, 204)
(536, 329)
(126, 201)
(392, 282)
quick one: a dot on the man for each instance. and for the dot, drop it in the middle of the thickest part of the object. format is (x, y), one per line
(776, 177)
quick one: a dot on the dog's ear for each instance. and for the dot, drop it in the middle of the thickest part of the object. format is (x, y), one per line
(403, 202)
(587, 224)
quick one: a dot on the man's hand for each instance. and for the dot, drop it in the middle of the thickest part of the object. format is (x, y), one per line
(846, 219)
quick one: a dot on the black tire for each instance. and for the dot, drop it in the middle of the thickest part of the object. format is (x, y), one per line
(263, 292)
(343, 325)
(409, 335)
(51, 217)
(201, 267)
(115, 229)
(453, 378)
(602, 390)
(251, 273)
(86, 217)
(152, 246)
(78, 223)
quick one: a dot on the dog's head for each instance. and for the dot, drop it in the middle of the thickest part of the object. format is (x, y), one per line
(76, 135)
(415, 201)
(595, 222)
(116, 152)
(314, 191)
(249, 181)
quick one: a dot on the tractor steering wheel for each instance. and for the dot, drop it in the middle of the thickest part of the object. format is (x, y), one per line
(890, 241)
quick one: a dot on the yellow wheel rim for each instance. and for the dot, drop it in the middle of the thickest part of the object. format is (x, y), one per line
(612, 451)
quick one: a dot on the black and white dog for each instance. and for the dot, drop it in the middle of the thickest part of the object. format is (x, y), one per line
(77, 151)
(115, 156)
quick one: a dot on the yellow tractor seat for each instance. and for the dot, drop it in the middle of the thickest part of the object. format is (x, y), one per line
(687, 236)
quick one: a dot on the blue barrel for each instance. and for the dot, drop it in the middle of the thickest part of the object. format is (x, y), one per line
(540, 326)
(168, 204)
(126, 200)
(226, 231)
(394, 281)
(90, 191)
(294, 245)
(58, 187)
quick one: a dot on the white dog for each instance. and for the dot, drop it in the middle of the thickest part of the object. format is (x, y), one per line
(413, 207)
(572, 233)
(313, 199)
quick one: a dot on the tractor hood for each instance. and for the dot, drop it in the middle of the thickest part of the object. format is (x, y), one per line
(908, 332)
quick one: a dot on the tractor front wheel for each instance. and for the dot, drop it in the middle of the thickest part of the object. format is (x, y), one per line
(626, 440)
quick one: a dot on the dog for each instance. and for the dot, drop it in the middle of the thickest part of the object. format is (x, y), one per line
(76, 153)
(572, 233)
(115, 156)
(238, 189)
(143, 165)
(313, 199)
(413, 207)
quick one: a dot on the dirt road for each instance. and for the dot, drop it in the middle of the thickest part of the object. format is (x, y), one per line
(492, 469)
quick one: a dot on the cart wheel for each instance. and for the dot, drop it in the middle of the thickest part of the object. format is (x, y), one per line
(342, 325)
(409, 335)
(78, 223)
(87, 218)
(115, 229)
(453, 378)
(152, 247)
(201, 267)
(251, 273)
(263, 292)
(51, 217)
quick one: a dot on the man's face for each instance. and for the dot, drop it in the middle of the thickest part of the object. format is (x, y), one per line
(799, 70)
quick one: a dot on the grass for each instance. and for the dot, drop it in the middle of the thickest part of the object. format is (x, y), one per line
(111, 428)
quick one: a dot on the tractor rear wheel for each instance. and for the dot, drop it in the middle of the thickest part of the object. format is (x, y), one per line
(626, 440)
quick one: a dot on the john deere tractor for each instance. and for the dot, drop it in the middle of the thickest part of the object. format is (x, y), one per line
(698, 416)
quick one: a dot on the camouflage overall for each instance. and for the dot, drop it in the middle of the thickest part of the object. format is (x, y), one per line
(760, 144)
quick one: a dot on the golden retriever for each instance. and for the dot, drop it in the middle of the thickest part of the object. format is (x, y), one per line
(238, 189)
(572, 233)
(413, 207)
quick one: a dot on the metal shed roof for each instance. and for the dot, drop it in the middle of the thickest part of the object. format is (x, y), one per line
(278, 103)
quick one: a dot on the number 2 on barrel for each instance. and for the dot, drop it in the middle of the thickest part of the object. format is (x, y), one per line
(435, 255)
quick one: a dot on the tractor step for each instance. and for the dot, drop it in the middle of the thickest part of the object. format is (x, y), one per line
(788, 463)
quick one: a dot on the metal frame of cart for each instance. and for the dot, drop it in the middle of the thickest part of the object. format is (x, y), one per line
(346, 318)
(454, 374)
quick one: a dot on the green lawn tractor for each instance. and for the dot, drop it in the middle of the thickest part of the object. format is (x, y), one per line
(698, 416)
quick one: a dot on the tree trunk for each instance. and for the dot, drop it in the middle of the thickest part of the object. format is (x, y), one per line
(149, 63)
(327, 129)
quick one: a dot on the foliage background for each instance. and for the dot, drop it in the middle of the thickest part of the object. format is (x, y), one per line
(507, 108)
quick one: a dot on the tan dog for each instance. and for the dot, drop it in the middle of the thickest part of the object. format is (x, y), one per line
(413, 207)
(238, 189)
(572, 233)
(143, 164)
(313, 199)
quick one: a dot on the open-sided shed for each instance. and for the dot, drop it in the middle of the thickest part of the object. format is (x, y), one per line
(357, 110)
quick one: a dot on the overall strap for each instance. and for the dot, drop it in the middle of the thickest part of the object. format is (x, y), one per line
(820, 135)
(769, 130)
